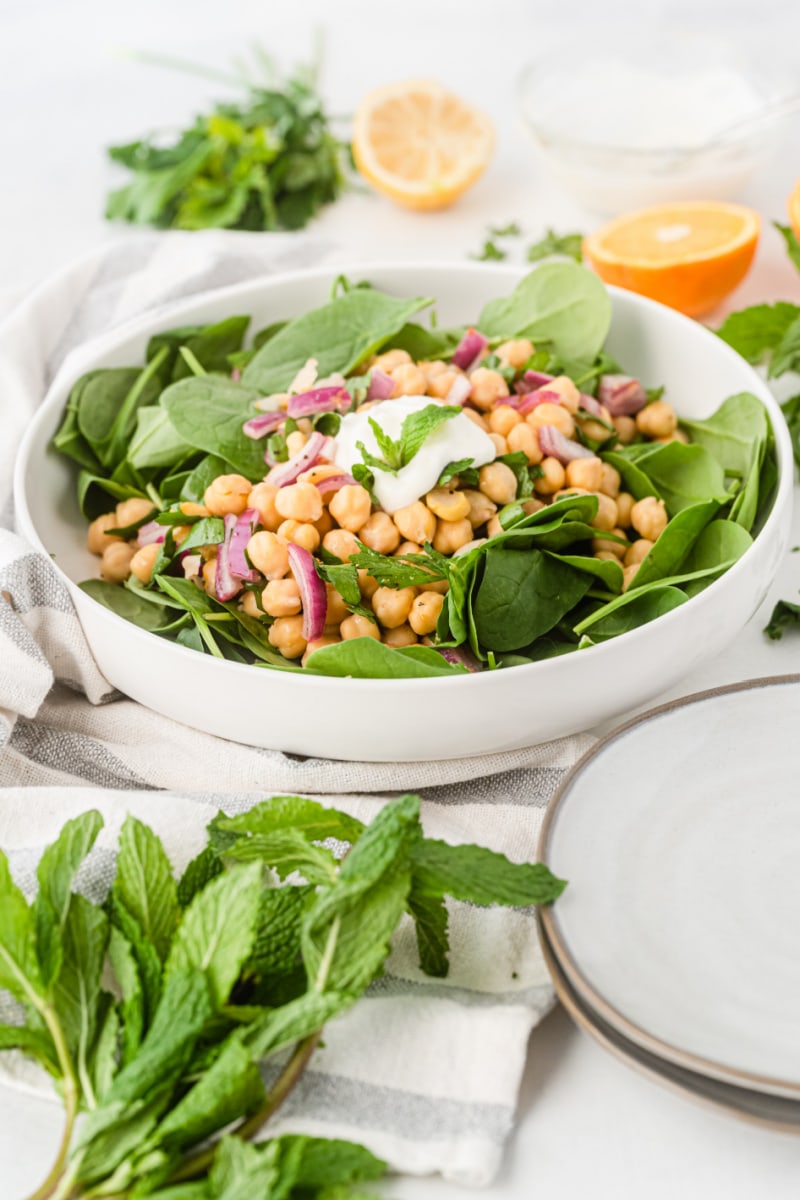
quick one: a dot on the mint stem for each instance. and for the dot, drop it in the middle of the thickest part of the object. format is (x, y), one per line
(52, 1187)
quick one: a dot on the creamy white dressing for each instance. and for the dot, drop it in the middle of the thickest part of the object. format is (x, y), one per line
(453, 440)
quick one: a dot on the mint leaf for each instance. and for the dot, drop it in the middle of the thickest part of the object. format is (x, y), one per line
(132, 1003)
(56, 872)
(276, 946)
(418, 427)
(242, 1171)
(754, 331)
(785, 615)
(328, 1162)
(204, 867)
(148, 964)
(568, 244)
(391, 450)
(229, 1089)
(481, 876)
(19, 969)
(145, 885)
(791, 411)
(792, 244)
(452, 469)
(489, 252)
(430, 920)
(294, 1021)
(786, 356)
(102, 1064)
(217, 930)
(286, 850)
(512, 229)
(314, 820)
(31, 1041)
(371, 460)
(77, 991)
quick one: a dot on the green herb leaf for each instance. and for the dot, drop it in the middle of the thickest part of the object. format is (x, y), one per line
(785, 615)
(792, 244)
(19, 968)
(144, 884)
(568, 244)
(56, 873)
(490, 252)
(755, 331)
(481, 876)
(512, 229)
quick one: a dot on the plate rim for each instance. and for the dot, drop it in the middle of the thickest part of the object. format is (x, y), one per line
(566, 961)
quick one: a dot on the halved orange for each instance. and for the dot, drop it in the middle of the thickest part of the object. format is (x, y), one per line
(689, 255)
(794, 209)
(420, 144)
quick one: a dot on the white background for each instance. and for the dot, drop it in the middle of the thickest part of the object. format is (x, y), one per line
(588, 1126)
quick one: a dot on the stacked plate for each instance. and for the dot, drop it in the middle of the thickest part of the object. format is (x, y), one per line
(677, 943)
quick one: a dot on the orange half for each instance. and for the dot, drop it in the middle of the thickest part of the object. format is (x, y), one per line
(420, 144)
(794, 210)
(688, 255)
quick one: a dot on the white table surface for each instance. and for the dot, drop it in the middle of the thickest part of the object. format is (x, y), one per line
(587, 1125)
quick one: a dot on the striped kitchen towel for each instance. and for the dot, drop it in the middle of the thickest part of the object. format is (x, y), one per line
(424, 1072)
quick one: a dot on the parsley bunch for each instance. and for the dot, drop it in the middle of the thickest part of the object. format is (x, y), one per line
(269, 162)
(153, 1010)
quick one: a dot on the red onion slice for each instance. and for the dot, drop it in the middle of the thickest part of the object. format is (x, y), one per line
(532, 380)
(381, 385)
(286, 473)
(332, 483)
(264, 423)
(542, 395)
(469, 349)
(242, 530)
(590, 405)
(459, 391)
(459, 656)
(226, 585)
(312, 591)
(150, 532)
(319, 400)
(622, 395)
(554, 444)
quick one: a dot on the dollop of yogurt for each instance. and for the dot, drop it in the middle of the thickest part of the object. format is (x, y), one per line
(452, 441)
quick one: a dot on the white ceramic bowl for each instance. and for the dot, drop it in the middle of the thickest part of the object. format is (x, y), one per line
(402, 720)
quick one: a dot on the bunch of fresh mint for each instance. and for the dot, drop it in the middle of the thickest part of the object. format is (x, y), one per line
(153, 1010)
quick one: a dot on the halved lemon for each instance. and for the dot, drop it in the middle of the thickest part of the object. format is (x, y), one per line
(794, 209)
(688, 255)
(420, 144)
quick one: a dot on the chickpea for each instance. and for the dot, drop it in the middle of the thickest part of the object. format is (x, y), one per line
(503, 419)
(425, 612)
(533, 506)
(524, 438)
(408, 548)
(476, 419)
(552, 414)
(605, 555)
(625, 503)
(493, 527)
(143, 562)
(391, 359)
(341, 543)
(367, 584)
(649, 517)
(657, 420)
(552, 479)
(129, 512)
(299, 502)
(562, 493)
(441, 384)
(227, 494)
(180, 533)
(593, 430)
(392, 605)
(402, 635)
(440, 585)
(677, 435)
(432, 370)
(515, 353)
(628, 575)
(626, 429)
(408, 380)
(209, 574)
(351, 507)
(115, 563)
(500, 444)
(317, 644)
(250, 606)
(450, 535)
(281, 598)
(498, 482)
(584, 472)
(337, 610)
(305, 425)
(286, 635)
(416, 522)
(606, 518)
(611, 481)
(295, 442)
(487, 387)
(356, 626)
(563, 386)
(615, 549)
(325, 524)
(637, 551)
(481, 508)
(447, 505)
(97, 539)
(319, 472)
(262, 499)
(380, 533)
(300, 533)
(190, 509)
(269, 554)
(191, 565)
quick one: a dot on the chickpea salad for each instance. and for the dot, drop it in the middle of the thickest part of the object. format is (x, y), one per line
(359, 492)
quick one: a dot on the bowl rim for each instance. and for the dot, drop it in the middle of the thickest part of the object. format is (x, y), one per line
(150, 321)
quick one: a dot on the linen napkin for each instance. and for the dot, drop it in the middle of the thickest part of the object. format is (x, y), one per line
(424, 1072)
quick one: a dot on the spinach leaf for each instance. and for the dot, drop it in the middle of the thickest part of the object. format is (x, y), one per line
(340, 335)
(208, 412)
(98, 397)
(668, 553)
(522, 596)
(127, 604)
(206, 471)
(211, 345)
(364, 658)
(682, 475)
(737, 435)
(631, 610)
(425, 344)
(560, 303)
(94, 492)
(155, 442)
